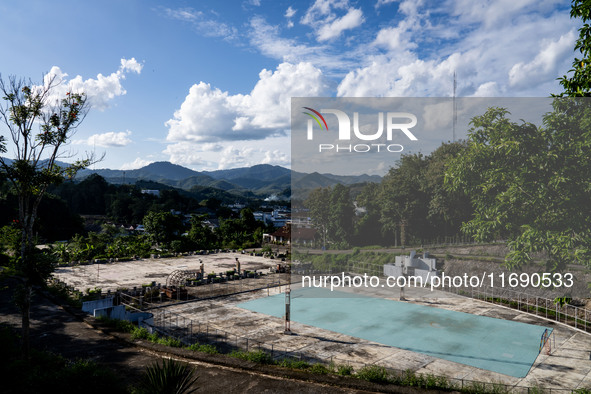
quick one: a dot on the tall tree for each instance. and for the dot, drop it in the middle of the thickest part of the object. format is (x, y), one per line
(341, 213)
(578, 84)
(38, 125)
(447, 209)
(368, 229)
(162, 226)
(201, 234)
(318, 203)
(529, 184)
(403, 200)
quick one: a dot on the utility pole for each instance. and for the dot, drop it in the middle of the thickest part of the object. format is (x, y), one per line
(287, 310)
(288, 294)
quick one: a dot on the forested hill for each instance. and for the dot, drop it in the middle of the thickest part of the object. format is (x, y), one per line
(259, 180)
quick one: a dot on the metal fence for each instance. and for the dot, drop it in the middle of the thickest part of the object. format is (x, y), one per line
(149, 297)
(574, 316)
(353, 266)
(189, 332)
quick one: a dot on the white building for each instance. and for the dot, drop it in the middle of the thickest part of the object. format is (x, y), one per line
(413, 265)
(151, 192)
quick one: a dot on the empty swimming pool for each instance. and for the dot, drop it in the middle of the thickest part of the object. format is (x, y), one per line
(503, 346)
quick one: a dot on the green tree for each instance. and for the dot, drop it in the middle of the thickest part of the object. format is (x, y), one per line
(530, 184)
(91, 195)
(248, 220)
(340, 214)
(447, 209)
(232, 233)
(10, 238)
(403, 200)
(201, 234)
(25, 108)
(412, 202)
(162, 227)
(578, 84)
(368, 229)
(318, 203)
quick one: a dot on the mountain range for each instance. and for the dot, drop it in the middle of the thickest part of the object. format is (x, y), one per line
(262, 180)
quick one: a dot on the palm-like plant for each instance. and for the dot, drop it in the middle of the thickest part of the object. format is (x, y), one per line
(170, 377)
(62, 251)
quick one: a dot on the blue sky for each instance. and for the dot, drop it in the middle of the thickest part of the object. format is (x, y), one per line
(207, 84)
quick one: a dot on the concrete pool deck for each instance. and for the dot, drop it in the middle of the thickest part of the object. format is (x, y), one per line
(567, 367)
(505, 346)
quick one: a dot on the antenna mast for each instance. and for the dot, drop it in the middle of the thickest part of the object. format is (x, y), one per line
(455, 110)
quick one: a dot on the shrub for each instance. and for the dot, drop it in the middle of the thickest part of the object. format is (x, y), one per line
(475, 387)
(209, 349)
(169, 341)
(374, 373)
(139, 333)
(119, 325)
(344, 370)
(441, 382)
(295, 364)
(319, 369)
(257, 356)
(409, 378)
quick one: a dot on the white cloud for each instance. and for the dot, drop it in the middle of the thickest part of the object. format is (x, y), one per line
(497, 48)
(487, 89)
(351, 20)
(210, 115)
(546, 63)
(205, 25)
(395, 38)
(107, 140)
(187, 15)
(134, 165)
(493, 14)
(195, 156)
(400, 38)
(290, 12)
(276, 157)
(237, 154)
(205, 110)
(321, 16)
(419, 56)
(267, 39)
(322, 10)
(233, 157)
(249, 155)
(384, 2)
(190, 155)
(131, 65)
(99, 91)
